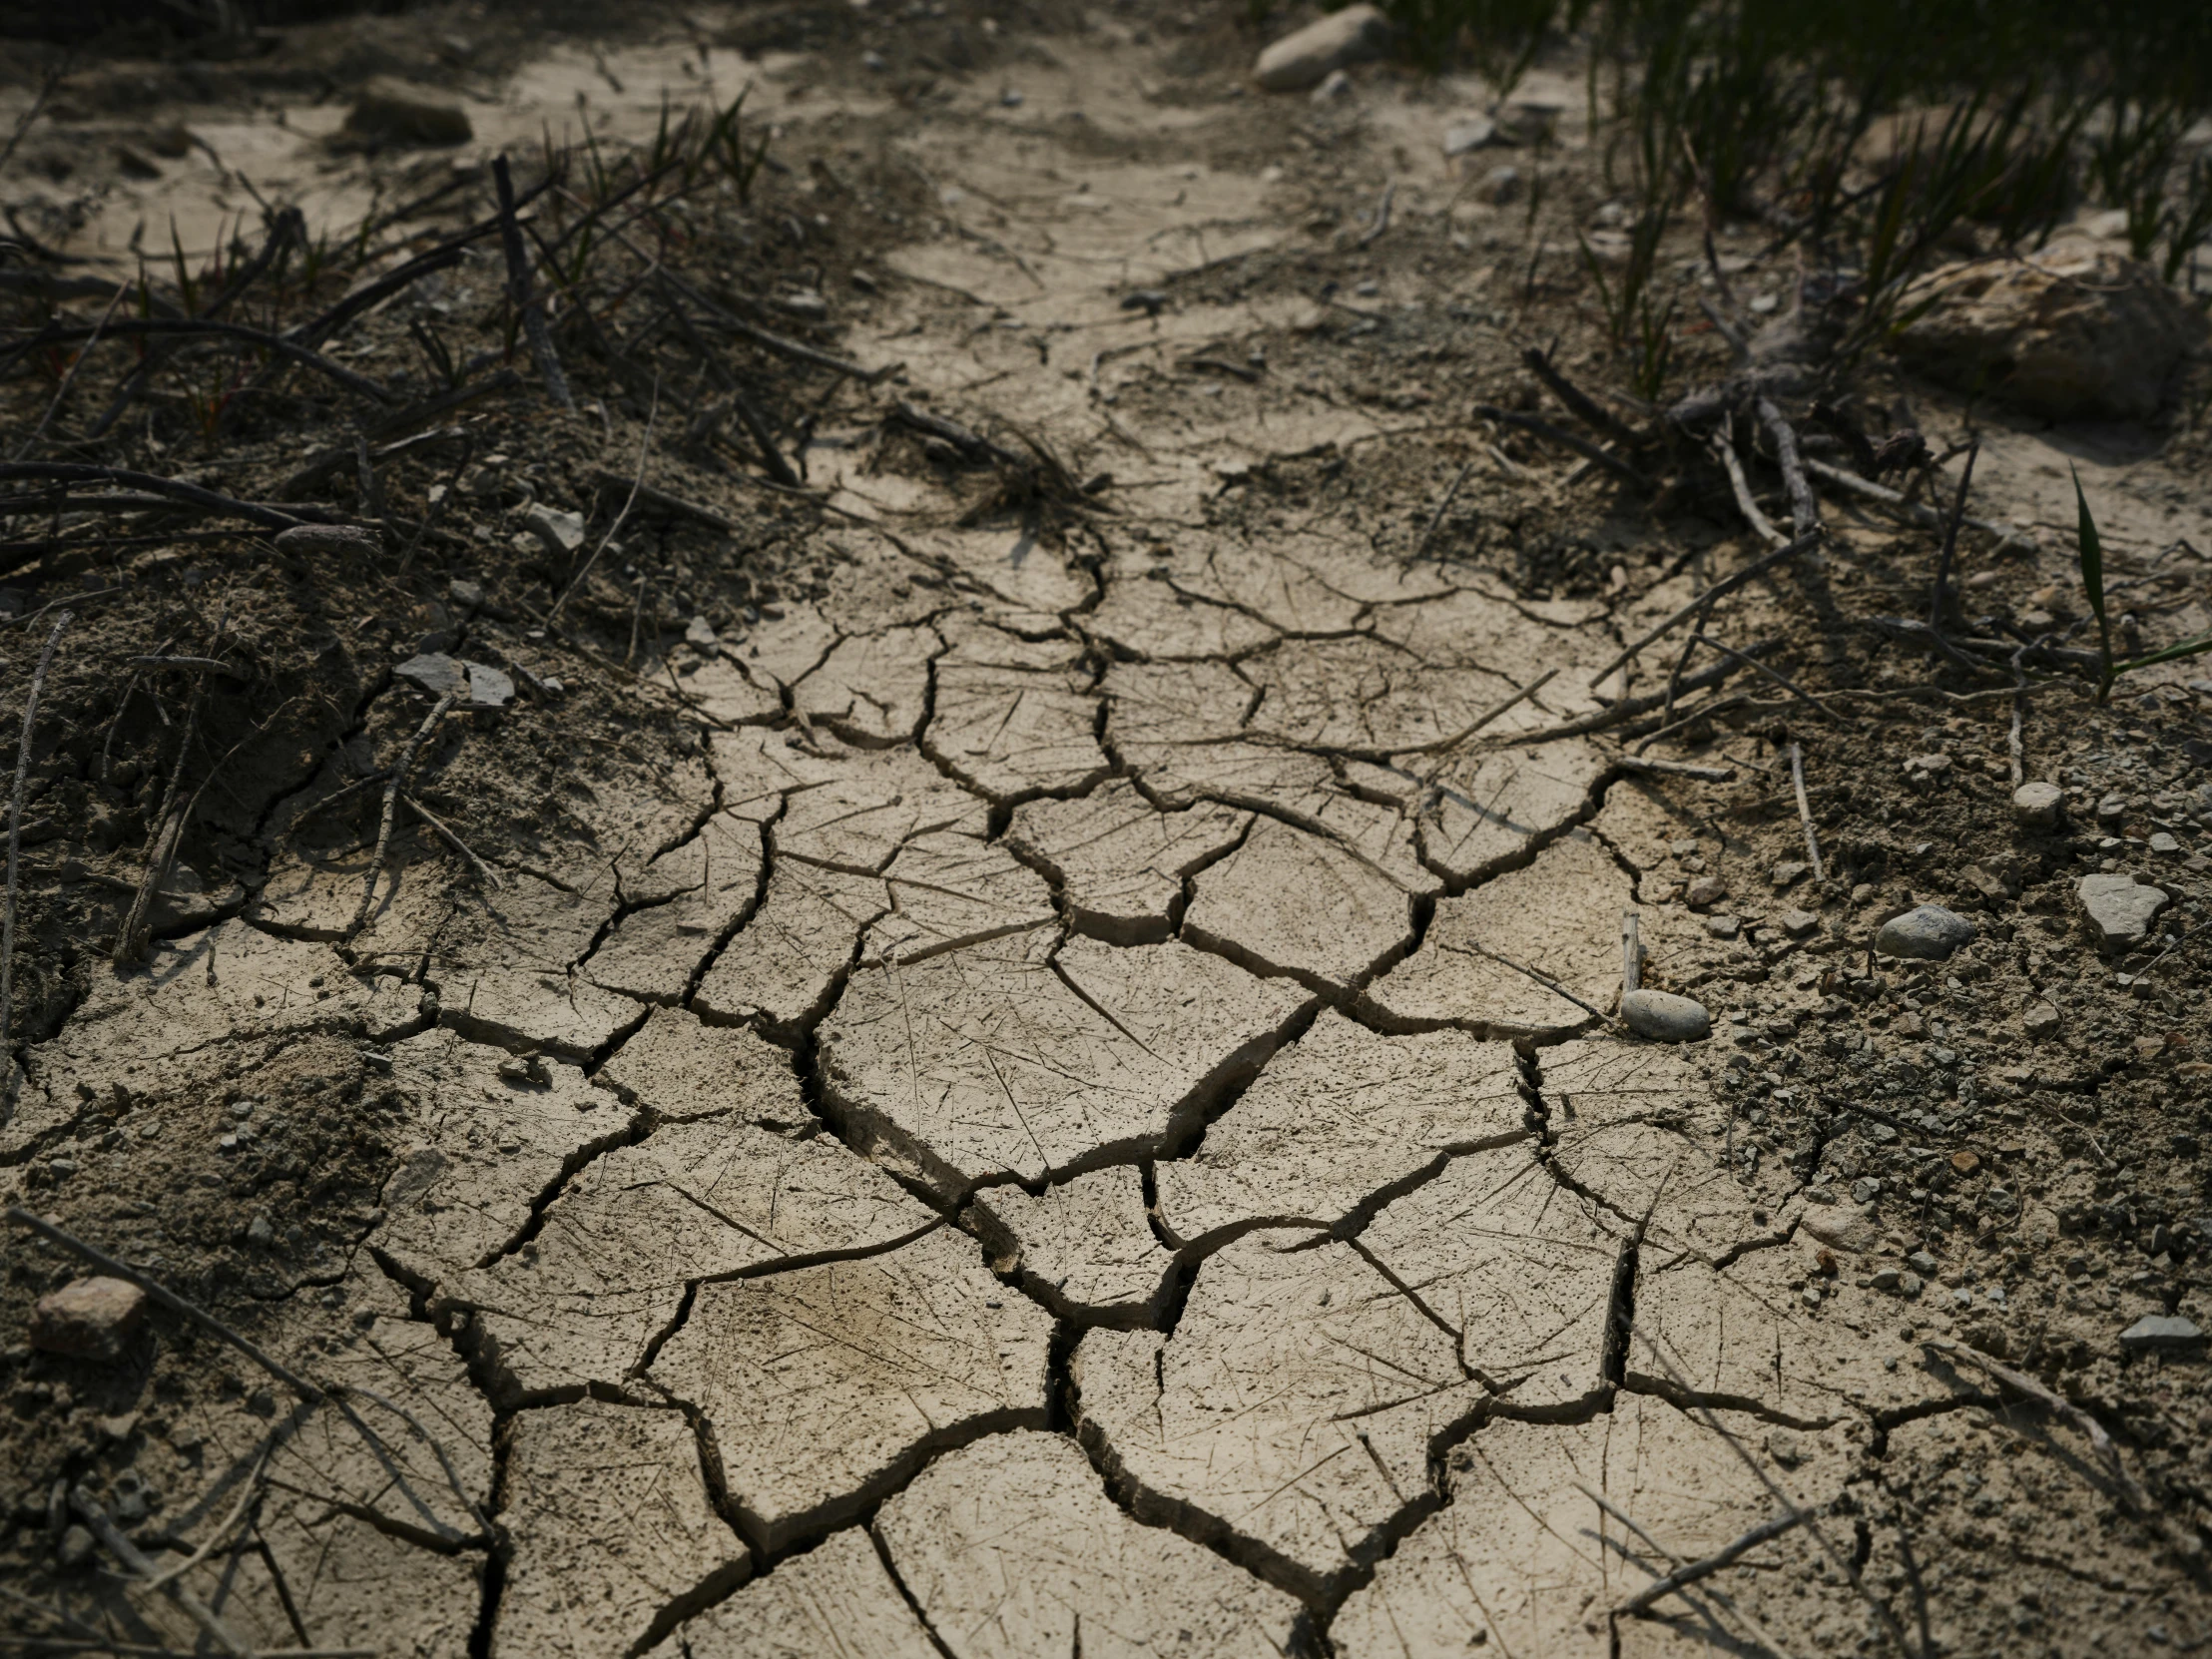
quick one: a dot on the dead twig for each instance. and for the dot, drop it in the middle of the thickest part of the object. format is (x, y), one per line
(1951, 541)
(407, 420)
(1705, 712)
(1805, 508)
(1779, 678)
(1629, 707)
(1759, 1631)
(1381, 216)
(527, 311)
(1761, 525)
(135, 1558)
(2132, 1495)
(1632, 953)
(1436, 519)
(392, 788)
(61, 392)
(1726, 585)
(15, 845)
(1579, 402)
(1918, 513)
(1805, 811)
(131, 937)
(637, 483)
(174, 490)
(1726, 1555)
(200, 665)
(1550, 984)
(1444, 746)
(2015, 749)
(1567, 441)
(1678, 769)
(484, 871)
(336, 373)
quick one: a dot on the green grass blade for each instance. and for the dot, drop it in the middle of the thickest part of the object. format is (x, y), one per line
(2187, 648)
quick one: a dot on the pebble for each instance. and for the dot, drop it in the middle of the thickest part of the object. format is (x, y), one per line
(562, 533)
(304, 540)
(2162, 1334)
(2040, 1020)
(88, 1318)
(76, 1547)
(1336, 85)
(1797, 923)
(1723, 928)
(2120, 909)
(1463, 136)
(1706, 889)
(392, 112)
(1304, 57)
(2038, 806)
(1927, 933)
(1501, 184)
(2161, 842)
(1790, 872)
(1665, 1018)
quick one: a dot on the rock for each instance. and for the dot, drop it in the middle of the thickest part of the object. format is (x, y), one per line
(1922, 1263)
(1845, 1227)
(2162, 1334)
(1304, 57)
(2120, 909)
(476, 685)
(1463, 135)
(2161, 842)
(1797, 923)
(2040, 1020)
(91, 1319)
(1928, 934)
(1501, 184)
(562, 533)
(1790, 872)
(2038, 806)
(75, 1550)
(1336, 85)
(308, 540)
(393, 112)
(2076, 331)
(1665, 1018)
(1706, 889)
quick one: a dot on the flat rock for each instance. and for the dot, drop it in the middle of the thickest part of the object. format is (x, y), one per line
(2076, 331)
(834, 1599)
(1665, 1016)
(784, 967)
(1926, 934)
(1560, 916)
(561, 532)
(1521, 1270)
(473, 686)
(948, 889)
(1029, 1057)
(479, 1147)
(2162, 1334)
(1295, 1406)
(824, 1388)
(1084, 1248)
(1012, 718)
(1336, 1123)
(1303, 57)
(612, 1536)
(389, 111)
(607, 1271)
(88, 1318)
(2038, 806)
(1119, 865)
(1012, 1548)
(1287, 902)
(692, 897)
(1520, 1556)
(2120, 909)
(679, 1067)
(871, 689)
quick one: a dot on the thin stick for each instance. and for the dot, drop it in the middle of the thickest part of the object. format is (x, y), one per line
(1805, 508)
(1779, 679)
(1444, 746)
(249, 1492)
(1632, 953)
(1726, 585)
(15, 845)
(1805, 811)
(61, 391)
(2018, 749)
(1702, 712)
(483, 870)
(1548, 983)
(1381, 216)
(518, 291)
(1629, 707)
(1579, 402)
(336, 373)
(637, 483)
(133, 1557)
(1437, 518)
(131, 938)
(1761, 525)
(174, 488)
(1711, 1564)
(1951, 541)
(2131, 1494)
(1757, 1630)
(1920, 514)
(1567, 441)
(1678, 769)
(166, 1298)
(392, 786)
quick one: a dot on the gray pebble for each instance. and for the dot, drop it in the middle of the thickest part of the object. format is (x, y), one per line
(1928, 934)
(1665, 1018)
(2120, 909)
(2038, 806)
(2162, 1334)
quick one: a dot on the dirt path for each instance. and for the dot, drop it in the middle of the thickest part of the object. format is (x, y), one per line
(1059, 1109)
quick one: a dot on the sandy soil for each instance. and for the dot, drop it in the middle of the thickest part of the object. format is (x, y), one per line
(1004, 1052)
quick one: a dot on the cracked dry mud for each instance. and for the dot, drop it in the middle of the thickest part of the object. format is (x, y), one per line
(1016, 1129)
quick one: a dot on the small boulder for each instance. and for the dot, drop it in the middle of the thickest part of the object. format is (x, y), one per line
(1928, 934)
(88, 1318)
(2162, 1334)
(2038, 806)
(2076, 331)
(2120, 909)
(1665, 1018)
(393, 112)
(1304, 57)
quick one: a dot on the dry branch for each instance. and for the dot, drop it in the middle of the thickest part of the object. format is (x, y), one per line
(1726, 585)
(1805, 811)
(1567, 441)
(527, 311)
(392, 788)
(15, 843)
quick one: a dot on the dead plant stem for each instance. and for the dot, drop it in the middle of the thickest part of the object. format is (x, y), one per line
(15, 845)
